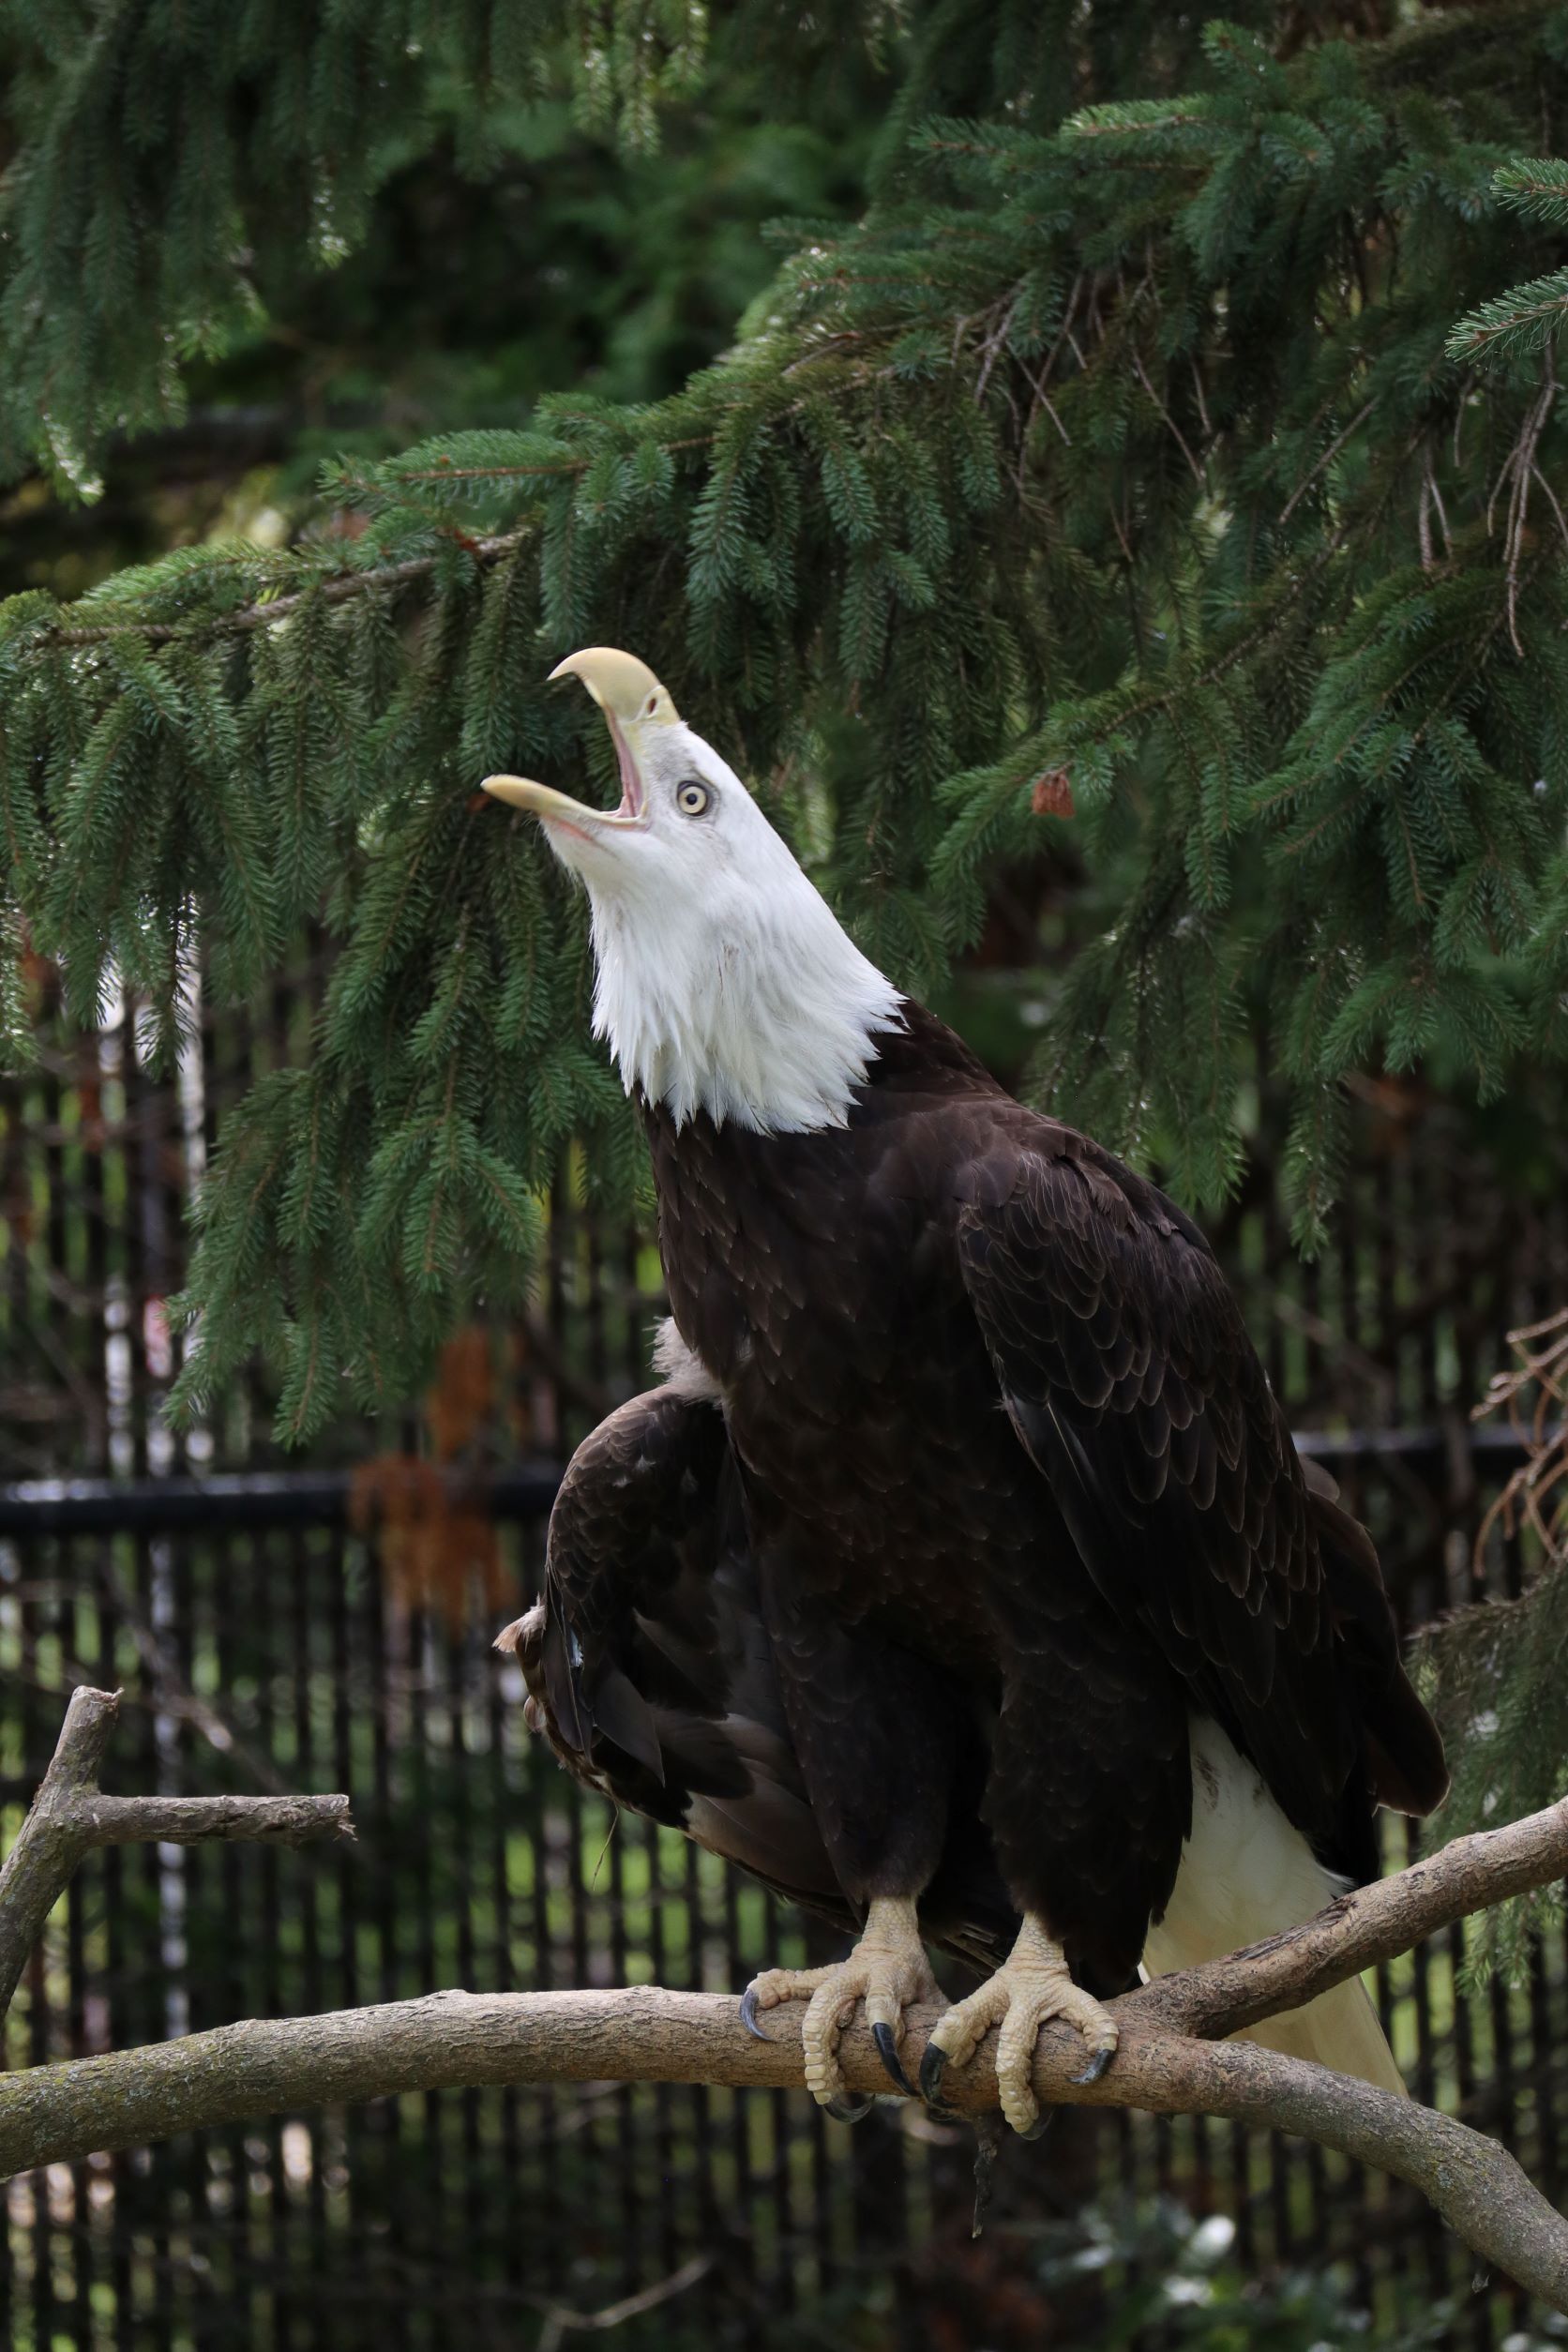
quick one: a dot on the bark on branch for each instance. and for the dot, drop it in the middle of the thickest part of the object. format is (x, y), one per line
(1168, 2061)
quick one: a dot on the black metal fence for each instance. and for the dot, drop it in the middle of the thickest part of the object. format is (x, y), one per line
(285, 1628)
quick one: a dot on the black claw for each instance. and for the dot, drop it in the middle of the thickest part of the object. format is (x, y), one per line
(749, 2014)
(1040, 2126)
(933, 2066)
(887, 2050)
(1099, 2060)
(853, 2107)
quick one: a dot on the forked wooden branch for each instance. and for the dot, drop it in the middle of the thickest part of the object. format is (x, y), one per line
(1168, 2061)
(69, 1816)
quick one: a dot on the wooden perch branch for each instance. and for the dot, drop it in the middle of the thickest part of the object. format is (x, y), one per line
(461, 2041)
(1168, 2062)
(70, 1815)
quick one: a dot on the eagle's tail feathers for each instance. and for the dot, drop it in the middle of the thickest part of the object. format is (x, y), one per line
(1246, 1875)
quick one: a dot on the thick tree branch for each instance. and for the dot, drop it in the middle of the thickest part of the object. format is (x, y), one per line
(1166, 2063)
(461, 2041)
(69, 1816)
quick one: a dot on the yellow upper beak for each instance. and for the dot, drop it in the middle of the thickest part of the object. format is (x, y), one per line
(630, 695)
(623, 687)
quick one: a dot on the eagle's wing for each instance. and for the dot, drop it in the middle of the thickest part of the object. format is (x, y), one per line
(1129, 1378)
(647, 1662)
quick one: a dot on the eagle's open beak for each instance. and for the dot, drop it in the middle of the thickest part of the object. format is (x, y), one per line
(560, 807)
(630, 696)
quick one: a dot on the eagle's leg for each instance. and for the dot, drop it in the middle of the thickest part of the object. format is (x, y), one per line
(1033, 1983)
(887, 1969)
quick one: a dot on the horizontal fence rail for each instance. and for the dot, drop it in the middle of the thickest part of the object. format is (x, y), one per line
(106, 1506)
(110, 1506)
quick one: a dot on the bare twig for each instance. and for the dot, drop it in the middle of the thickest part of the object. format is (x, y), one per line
(1519, 470)
(1375, 1376)
(1325, 460)
(1540, 1377)
(1197, 474)
(288, 1820)
(1424, 522)
(1434, 493)
(69, 1816)
(1554, 503)
(1202, 403)
(560, 2321)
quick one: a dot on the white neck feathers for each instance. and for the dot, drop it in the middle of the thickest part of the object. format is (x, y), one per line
(765, 1012)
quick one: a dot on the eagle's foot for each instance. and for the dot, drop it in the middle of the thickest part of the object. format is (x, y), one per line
(1032, 1984)
(887, 1969)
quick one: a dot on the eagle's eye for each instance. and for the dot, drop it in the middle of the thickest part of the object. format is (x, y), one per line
(691, 799)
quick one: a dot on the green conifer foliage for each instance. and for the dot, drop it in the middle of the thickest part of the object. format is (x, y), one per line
(1495, 1675)
(1142, 431)
(176, 165)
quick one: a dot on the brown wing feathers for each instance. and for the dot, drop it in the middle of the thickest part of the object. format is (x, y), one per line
(654, 1670)
(646, 1662)
(1130, 1379)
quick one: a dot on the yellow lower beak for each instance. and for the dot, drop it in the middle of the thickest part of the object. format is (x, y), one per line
(520, 792)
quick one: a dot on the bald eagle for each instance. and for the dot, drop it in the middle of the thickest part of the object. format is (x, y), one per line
(961, 1578)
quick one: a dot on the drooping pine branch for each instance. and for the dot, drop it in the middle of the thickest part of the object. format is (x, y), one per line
(1124, 451)
(167, 170)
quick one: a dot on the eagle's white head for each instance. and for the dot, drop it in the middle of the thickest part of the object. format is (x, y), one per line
(725, 982)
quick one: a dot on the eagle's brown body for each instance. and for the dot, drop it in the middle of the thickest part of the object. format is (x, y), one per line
(983, 1500)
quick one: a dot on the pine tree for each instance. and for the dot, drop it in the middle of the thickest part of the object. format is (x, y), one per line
(1175, 436)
